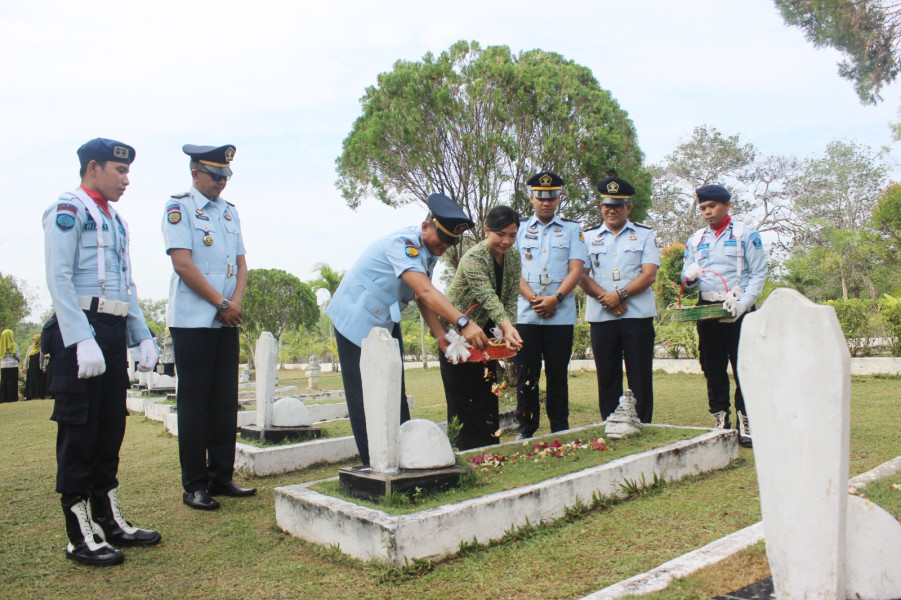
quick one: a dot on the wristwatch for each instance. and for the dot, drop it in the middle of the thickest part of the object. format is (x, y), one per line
(462, 322)
(623, 294)
(223, 305)
(560, 297)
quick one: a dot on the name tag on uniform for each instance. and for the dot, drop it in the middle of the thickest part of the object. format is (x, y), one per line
(703, 246)
(730, 243)
(202, 218)
(531, 236)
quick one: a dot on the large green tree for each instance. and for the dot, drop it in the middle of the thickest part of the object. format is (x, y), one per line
(867, 32)
(13, 303)
(276, 301)
(474, 123)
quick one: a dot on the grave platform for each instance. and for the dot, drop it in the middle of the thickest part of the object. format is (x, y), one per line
(369, 534)
(363, 482)
(277, 434)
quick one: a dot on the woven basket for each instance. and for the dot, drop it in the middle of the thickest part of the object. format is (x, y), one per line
(703, 312)
(492, 352)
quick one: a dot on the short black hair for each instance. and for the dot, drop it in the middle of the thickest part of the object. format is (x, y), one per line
(501, 217)
(84, 167)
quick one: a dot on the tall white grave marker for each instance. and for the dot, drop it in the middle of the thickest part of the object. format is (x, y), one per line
(380, 372)
(266, 358)
(794, 368)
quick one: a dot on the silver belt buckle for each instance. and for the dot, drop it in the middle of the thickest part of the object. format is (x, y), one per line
(544, 279)
(101, 302)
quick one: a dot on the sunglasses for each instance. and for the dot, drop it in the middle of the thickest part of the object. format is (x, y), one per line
(216, 178)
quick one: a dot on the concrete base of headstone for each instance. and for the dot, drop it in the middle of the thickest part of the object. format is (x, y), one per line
(251, 460)
(279, 434)
(364, 483)
(435, 533)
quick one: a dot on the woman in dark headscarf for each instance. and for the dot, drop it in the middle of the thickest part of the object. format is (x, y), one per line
(9, 367)
(34, 370)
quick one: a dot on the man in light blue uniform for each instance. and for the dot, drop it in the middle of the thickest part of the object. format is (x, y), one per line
(202, 234)
(725, 254)
(553, 255)
(97, 318)
(623, 262)
(391, 272)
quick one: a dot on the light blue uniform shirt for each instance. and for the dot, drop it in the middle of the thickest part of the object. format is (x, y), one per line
(372, 293)
(545, 251)
(188, 220)
(70, 257)
(721, 255)
(615, 260)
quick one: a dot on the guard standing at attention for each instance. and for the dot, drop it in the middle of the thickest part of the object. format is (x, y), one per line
(97, 318)
(553, 255)
(623, 262)
(202, 233)
(391, 272)
(727, 263)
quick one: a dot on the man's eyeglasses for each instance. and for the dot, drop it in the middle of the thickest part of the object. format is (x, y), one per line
(216, 178)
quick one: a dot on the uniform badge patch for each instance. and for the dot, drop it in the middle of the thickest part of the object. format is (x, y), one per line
(65, 216)
(755, 239)
(173, 213)
(411, 250)
(581, 237)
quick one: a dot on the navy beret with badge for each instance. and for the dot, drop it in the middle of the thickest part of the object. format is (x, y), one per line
(216, 159)
(714, 192)
(448, 217)
(615, 191)
(103, 149)
(545, 184)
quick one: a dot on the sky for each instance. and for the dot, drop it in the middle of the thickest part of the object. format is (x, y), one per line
(282, 81)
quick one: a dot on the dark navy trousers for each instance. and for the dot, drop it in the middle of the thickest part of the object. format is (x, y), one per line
(554, 344)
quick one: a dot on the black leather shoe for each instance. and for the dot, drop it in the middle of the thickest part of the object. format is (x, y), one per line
(200, 500)
(100, 556)
(230, 488)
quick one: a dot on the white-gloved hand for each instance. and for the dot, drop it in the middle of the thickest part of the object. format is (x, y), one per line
(693, 272)
(148, 355)
(90, 359)
(735, 293)
(736, 308)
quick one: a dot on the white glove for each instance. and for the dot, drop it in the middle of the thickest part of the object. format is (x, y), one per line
(90, 359)
(735, 307)
(148, 355)
(456, 352)
(735, 293)
(693, 271)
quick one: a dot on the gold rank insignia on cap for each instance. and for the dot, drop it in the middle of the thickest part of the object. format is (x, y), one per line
(120, 152)
(459, 229)
(612, 187)
(545, 180)
(230, 154)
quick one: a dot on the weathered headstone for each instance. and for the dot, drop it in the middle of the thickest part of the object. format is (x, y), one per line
(314, 371)
(794, 367)
(245, 374)
(290, 412)
(266, 358)
(380, 371)
(424, 445)
(624, 420)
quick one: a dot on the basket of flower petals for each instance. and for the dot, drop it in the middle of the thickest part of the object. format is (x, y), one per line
(704, 311)
(460, 351)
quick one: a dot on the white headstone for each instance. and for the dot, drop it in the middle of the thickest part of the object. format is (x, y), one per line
(266, 358)
(424, 445)
(163, 382)
(290, 412)
(380, 372)
(794, 368)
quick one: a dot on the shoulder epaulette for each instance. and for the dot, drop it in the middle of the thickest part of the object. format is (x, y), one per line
(179, 196)
(229, 203)
(568, 220)
(641, 225)
(592, 228)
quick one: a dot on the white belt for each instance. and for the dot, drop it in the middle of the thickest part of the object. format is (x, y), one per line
(713, 296)
(104, 306)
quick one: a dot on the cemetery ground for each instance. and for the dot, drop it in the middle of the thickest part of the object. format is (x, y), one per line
(238, 552)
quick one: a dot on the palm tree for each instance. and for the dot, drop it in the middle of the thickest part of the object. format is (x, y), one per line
(329, 279)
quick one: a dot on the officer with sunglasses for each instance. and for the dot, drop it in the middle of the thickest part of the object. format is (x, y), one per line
(391, 272)
(202, 233)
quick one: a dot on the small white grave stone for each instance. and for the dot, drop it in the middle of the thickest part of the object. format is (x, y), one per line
(290, 412)
(380, 372)
(266, 357)
(313, 372)
(163, 382)
(424, 445)
(795, 375)
(624, 420)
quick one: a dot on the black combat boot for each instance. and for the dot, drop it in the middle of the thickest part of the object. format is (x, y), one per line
(116, 530)
(85, 544)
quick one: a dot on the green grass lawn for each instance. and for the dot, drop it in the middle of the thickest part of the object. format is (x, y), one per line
(238, 552)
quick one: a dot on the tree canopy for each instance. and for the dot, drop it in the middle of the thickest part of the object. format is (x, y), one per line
(475, 123)
(275, 301)
(865, 31)
(13, 304)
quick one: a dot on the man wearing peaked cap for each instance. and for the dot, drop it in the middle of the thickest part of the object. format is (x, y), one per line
(202, 235)
(553, 254)
(97, 318)
(623, 262)
(392, 271)
(727, 263)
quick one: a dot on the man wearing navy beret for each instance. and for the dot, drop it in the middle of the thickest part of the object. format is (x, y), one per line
(390, 273)
(97, 318)
(727, 263)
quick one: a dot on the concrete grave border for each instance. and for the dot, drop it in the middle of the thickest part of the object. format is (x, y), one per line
(435, 533)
